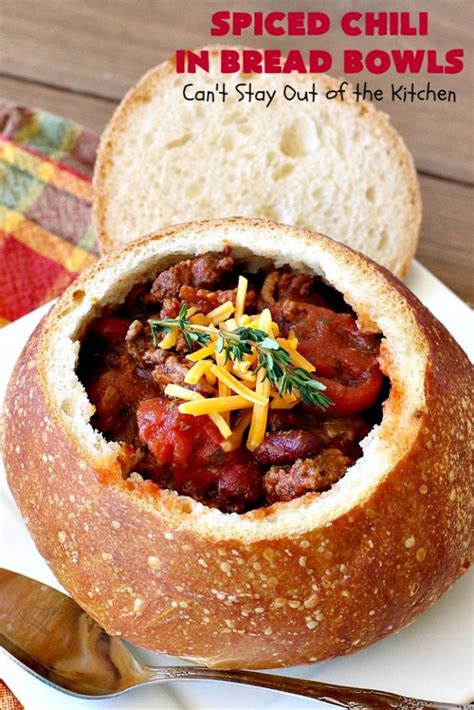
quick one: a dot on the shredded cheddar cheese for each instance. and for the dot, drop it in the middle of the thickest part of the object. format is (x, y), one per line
(281, 403)
(221, 313)
(235, 440)
(199, 319)
(242, 370)
(230, 324)
(215, 404)
(182, 393)
(170, 339)
(202, 352)
(189, 395)
(296, 357)
(222, 387)
(243, 394)
(240, 298)
(233, 383)
(258, 424)
(292, 339)
(200, 368)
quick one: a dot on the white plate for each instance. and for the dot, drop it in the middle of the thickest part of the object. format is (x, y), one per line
(431, 659)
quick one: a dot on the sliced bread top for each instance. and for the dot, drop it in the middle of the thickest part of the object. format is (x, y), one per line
(335, 166)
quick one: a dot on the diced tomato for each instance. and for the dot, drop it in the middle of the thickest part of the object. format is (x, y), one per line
(191, 447)
(345, 359)
(334, 344)
(112, 329)
(352, 399)
(181, 440)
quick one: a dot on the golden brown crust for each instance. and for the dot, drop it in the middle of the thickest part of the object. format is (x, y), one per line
(153, 82)
(125, 552)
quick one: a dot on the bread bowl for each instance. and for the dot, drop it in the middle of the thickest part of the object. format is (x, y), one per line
(293, 582)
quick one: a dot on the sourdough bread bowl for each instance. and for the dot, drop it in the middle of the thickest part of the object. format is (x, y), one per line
(332, 166)
(295, 582)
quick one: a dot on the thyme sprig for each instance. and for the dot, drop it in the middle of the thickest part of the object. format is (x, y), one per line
(272, 358)
(188, 329)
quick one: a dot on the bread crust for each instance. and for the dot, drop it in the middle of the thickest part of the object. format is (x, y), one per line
(254, 590)
(154, 82)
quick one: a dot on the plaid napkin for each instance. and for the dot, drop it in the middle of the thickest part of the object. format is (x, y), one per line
(7, 699)
(46, 234)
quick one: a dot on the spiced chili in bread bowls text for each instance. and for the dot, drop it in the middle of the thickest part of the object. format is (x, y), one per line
(295, 581)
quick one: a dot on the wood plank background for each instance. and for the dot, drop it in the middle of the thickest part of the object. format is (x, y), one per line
(78, 57)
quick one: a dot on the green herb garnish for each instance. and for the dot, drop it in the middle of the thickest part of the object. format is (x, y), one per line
(272, 358)
(188, 329)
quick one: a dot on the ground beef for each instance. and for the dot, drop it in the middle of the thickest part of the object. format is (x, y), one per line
(115, 389)
(170, 369)
(203, 272)
(279, 286)
(286, 313)
(170, 308)
(166, 366)
(296, 287)
(206, 301)
(140, 347)
(134, 330)
(283, 483)
(268, 291)
(138, 299)
(203, 299)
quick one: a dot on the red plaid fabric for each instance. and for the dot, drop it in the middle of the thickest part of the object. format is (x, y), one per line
(7, 699)
(46, 233)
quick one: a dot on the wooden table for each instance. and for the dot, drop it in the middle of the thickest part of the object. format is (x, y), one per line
(78, 57)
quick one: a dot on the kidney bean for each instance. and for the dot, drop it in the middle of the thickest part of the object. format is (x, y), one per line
(240, 483)
(286, 446)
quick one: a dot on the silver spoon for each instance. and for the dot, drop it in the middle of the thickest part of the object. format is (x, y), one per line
(52, 638)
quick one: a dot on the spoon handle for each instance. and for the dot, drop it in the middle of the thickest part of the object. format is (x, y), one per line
(343, 697)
